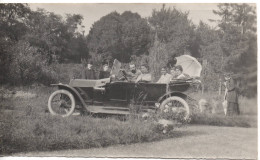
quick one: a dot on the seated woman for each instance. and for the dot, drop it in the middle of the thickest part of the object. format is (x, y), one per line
(145, 76)
(179, 74)
(165, 77)
(173, 73)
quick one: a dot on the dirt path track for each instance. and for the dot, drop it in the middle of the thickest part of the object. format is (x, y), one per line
(191, 142)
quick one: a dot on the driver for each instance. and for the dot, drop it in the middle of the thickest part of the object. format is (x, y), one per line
(145, 76)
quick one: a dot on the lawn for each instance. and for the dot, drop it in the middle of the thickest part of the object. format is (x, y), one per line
(26, 125)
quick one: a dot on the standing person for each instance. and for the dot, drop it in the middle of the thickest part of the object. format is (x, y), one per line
(89, 72)
(104, 73)
(133, 73)
(231, 96)
(145, 76)
(165, 77)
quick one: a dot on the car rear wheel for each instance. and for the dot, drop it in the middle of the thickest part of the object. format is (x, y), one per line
(62, 103)
(176, 106)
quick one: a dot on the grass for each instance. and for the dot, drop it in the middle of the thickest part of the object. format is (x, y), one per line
(221, 120)
(26, 125)
(247, 117)
(46, 133)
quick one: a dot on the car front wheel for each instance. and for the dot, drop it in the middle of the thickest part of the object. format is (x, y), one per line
(62, 103)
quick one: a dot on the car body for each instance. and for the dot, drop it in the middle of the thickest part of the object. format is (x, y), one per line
(118, 97)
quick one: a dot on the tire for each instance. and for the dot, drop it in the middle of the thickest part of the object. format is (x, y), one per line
(65, 103)
(177, 100)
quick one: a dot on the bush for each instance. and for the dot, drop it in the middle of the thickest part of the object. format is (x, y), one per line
(65, 72)
(28, 66)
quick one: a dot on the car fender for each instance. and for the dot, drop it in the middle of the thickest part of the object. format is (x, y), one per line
(178, 94)
(73, 91)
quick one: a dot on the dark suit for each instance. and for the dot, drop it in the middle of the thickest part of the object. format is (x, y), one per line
(89, 74)
(232, 91)
(104, 74)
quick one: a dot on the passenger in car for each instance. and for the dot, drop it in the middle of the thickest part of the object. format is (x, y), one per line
(133, 73)
(104, 73)
(89, 72)
(179, 72)
(145, 76)
(173, 72)
(165, 77)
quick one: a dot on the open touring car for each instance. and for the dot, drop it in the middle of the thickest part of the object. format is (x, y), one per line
(119, 97)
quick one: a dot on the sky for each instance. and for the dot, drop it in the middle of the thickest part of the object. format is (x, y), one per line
(92, 12)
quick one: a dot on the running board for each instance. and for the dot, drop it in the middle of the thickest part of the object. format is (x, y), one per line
(111, 110)
(108, 110)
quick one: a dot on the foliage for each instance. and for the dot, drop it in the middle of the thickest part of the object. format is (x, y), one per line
(230, 47)
(32, 40)
(12, 28)
(212, 55)
(56, 39)
(119, 36)
(66, 72)
(238, 33)
(28, 66)
(158, 58)
(174, 29)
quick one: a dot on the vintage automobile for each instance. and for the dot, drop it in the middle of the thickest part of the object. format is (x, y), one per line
(114, 96)
(119, 97)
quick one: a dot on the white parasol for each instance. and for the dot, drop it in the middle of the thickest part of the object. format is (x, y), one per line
(190, 65)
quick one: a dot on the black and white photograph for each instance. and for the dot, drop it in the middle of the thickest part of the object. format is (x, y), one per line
(128, 80)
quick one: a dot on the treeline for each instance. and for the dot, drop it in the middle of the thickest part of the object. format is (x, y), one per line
(32, 41)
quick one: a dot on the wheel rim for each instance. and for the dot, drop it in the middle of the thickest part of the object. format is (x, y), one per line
(61, 103)
(175, 108)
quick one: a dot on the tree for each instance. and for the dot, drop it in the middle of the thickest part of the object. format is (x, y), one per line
(54, 37)
(174, 29)
(158, 58)
(211, 53)
(29, 37)
(238, 33)
(119, 36)
(135, 34)
(12, 17)
(12, 28)
(27, 66)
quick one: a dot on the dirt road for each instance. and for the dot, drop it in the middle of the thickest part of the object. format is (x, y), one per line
(191, 142)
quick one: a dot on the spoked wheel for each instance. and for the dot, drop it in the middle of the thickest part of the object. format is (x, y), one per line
(176, 106)
(61, 102)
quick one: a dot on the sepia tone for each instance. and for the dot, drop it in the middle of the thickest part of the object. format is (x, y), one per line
(147, 80)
